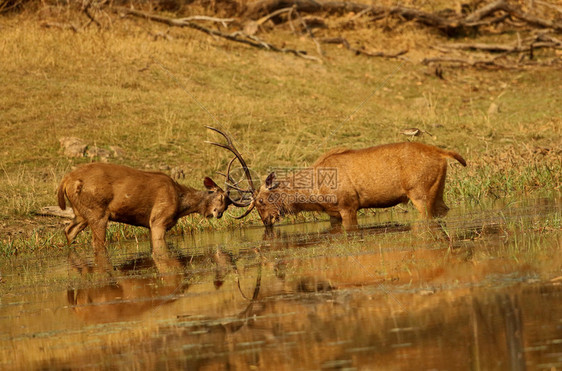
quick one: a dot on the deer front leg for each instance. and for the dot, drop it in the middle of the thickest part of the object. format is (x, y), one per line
(98, 227)
(335, 220)
(161, 255)
(157, 234)
(349, 219)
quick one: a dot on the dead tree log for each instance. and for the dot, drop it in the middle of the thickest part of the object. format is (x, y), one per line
(502, 48)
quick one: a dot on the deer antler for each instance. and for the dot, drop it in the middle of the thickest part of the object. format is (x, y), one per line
(229, 182)
(230, 146)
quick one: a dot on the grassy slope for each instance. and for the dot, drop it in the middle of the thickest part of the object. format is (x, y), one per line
(109, 88)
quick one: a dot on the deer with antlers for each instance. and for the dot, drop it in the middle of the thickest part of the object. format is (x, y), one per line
(343, 181)
(100, 192)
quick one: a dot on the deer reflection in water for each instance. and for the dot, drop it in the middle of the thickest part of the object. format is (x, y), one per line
(122, 295)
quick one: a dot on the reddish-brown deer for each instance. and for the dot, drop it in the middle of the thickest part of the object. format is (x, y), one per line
(100, 192)
(343, 181)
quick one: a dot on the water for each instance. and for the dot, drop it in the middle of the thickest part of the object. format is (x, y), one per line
(481, 292)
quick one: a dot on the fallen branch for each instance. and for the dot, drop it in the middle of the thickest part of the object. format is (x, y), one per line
(488, 22)
(62, 26)
(492, 48)
(238, 37)
(425, 18)
(260, 8)
(537, 42)
(345, 43)
(551, 6)
(473, 63)
(533, 20)
(266, 18)
(223, 21)
(485, 11)
(504, 48)
(502, 5)
(548, 38)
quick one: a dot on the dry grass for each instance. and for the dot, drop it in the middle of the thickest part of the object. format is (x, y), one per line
(129, 87)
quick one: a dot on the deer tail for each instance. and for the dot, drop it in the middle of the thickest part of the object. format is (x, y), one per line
(456, 156)
(61, 194)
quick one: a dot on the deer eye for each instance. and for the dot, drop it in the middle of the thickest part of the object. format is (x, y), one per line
(261, 201)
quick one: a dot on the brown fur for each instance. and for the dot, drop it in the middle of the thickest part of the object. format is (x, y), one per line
(101, 192)
(374, 177)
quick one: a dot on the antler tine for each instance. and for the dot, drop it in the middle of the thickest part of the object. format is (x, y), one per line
(229, 141)
(236, 188)
(228, 178)
(234, 185)
(218, 144)
(230, 183)
(233, 149)
(240, 204)
(249, 210)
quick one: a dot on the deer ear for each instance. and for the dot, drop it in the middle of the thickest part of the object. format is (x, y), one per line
(270, 182)
(209, 183)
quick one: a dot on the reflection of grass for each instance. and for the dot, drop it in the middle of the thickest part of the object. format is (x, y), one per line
(104, 88)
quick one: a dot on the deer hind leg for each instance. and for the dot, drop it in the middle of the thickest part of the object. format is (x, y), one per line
(335, 219)
(422, 203)
(98, 225)
(428, 197)
(349, 219)
(76, 226)
(435, 194)
(440, 209)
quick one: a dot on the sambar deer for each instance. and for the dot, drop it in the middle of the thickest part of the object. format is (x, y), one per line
(342, 181)
(100, 192)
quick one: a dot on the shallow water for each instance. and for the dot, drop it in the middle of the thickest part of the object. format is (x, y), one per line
(483, 291)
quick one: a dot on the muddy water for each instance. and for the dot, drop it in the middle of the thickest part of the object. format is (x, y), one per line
(481, 291)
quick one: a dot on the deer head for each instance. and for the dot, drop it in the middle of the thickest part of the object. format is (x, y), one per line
(216, 201)
(248, 196)
(270, 199)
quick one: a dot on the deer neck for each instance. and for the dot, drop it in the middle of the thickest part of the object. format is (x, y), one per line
(296, 198)
(192, 201)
